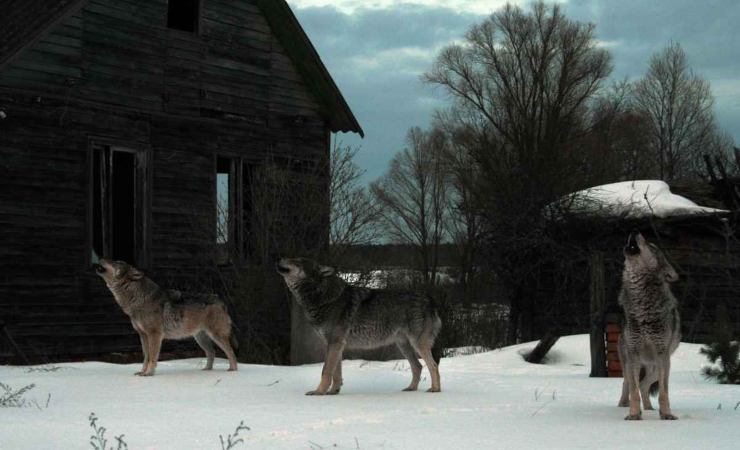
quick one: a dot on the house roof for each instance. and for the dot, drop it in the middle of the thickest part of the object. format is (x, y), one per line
(288, 30)
(24, 22)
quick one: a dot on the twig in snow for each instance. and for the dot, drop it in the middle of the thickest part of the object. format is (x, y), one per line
(273, 383)
(98, 440)
(45, 369)
(232, 440)
(12, 398)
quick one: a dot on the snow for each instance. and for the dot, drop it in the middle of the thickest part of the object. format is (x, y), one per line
(489, 400)
(636, 200)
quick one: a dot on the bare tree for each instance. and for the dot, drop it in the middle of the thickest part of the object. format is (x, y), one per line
(463, 175)
(413, 198)
(678, 106)
(617, 146)
(530, 76)
(523, 82)
(354, 217)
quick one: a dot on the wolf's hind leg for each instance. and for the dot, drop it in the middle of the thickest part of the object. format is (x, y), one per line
(424, 348)
(207, 345)
(222, 340)
(408, 351)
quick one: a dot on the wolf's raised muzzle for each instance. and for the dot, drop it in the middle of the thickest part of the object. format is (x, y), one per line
(98, 268)
(632, 248)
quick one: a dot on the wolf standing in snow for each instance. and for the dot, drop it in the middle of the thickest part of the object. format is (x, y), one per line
(354, 317)
(157, 314)
(652, 328)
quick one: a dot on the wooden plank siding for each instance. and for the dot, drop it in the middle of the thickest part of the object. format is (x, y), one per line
(113, 70)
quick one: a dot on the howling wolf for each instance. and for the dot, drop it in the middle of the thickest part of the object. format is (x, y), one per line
(652, 328)
(157, 314)
(354, 317)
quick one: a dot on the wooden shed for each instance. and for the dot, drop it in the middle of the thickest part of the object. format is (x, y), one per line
(118, 118)
(576, 292)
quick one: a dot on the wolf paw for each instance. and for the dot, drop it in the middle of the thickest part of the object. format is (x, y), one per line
(316, 392)
(231, 370)
(207, 368)
(434, 390)
(144, 374)
(333, 392)
(668, 417)
(634, 417)
(624, 404)
(410, 389)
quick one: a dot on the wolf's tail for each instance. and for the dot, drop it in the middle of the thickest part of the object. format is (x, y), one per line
(437, 348)
(437, 352)
(654, 389)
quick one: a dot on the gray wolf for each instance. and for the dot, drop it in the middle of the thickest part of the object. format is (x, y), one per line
(651, 330)
(158, 314)
(359, 318)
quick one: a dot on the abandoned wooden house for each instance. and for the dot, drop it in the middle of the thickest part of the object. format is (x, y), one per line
(578, 293)
(119, 120)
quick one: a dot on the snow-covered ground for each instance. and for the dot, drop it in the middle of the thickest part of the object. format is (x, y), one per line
(489, 400)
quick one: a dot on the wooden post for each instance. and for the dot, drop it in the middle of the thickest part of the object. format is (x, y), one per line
(598, 314)
(537, 355)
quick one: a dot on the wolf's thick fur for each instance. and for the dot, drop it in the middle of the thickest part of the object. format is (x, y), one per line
(353, 317)
(158, 314)
(652, 327)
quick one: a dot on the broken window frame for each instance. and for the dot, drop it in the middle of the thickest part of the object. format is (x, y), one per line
(106, 149)
(238, 246)
(196, 20)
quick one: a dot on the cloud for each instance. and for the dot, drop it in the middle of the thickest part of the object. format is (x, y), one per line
(376, 51)
(352, 6)
(706, 30)
(376, 56)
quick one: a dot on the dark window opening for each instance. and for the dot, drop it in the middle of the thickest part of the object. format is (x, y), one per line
(183, 15)
(224, 200)
(116, 190)
(123, 192)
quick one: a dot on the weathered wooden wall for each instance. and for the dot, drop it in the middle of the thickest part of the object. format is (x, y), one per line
(114, 70)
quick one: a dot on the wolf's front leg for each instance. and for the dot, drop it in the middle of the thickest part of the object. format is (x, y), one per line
(664, 368)
(155, 345)
(632, 375)
(145, 350)
(336, 380)
(333, 355)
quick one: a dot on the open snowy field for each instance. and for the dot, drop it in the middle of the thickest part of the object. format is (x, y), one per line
(489, 400)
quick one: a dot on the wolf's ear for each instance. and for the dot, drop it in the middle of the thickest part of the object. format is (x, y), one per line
(134, 274)
(327, 271)
(671, 275)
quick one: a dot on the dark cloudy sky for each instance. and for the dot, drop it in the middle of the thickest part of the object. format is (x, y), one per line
(377, 49)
